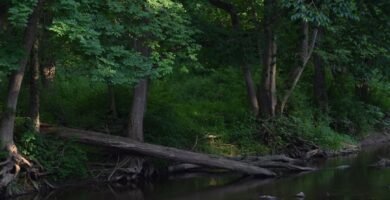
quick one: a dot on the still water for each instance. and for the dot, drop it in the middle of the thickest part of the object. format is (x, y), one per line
(359, 181)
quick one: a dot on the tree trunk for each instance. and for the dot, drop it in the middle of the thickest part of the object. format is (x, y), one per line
(320, 94)
(306, 53)
(34, 87)
(251, 90)
(3, 15)
(48, 58)
(136, 119)
(319, 83)
(362, 90)
(235, 22)
(15, 82)
(140, 94)
(112, 100)
(268, 91)
(138, 109)
(268, 98)
(157, 151)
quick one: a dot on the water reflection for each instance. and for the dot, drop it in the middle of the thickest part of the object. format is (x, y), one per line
(356, 182)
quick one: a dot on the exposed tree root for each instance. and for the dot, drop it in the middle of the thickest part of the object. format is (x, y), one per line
(124, 169)
(17, 166)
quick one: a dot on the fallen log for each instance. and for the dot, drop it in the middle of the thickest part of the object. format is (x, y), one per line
(158, 151)
(278, 163)
(283, 166)
(275, 158)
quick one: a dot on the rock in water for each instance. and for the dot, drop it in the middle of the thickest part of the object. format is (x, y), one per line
(300, 195)
(343, 167)
(382, 163)
(268, 197)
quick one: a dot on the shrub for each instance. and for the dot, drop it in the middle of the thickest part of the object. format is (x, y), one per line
(62, 159)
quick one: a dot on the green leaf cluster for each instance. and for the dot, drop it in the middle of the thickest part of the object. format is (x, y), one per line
(61, 159)
(105, 35)
(321, 13)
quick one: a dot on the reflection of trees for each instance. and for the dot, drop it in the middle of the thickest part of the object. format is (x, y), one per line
(357, 182)
(86, 193)
(225, 192)
(362, 181)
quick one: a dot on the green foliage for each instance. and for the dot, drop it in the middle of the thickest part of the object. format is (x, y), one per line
(108, 35)
(98, 43)
(321, 13)
(11, 33)
(186, 115)
(355, 117)
(352, 113)
(245, 135)
(19, 12)
(62, 159)
(75, 102)
(380, 93)
(309, 128)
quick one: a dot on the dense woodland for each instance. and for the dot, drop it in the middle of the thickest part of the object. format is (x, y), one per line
(225, 77)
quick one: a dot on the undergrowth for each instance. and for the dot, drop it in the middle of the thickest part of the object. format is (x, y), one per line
(208, 112)
(61, 159)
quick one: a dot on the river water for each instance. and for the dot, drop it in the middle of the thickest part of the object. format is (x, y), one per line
(359, 182)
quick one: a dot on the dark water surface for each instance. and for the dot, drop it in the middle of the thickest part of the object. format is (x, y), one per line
(357, 182)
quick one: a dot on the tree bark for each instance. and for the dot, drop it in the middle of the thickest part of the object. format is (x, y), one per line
(138, 109)
(306, 53)
(320, 94)
(3, 15)
(112, 100)
(236, 25)
(278, 163)
(251, 90)
(140, 93)
(319, 82)
(34, 87)
(48, 64)
(157, 151)
(268, 98)
(362, 90)
(16, 79)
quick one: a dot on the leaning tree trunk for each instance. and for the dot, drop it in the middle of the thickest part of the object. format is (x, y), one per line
(158, 151)
(34, 87)
(306, 52)
(268, 98)
(251, 90)
(15, 82)
(12, 166)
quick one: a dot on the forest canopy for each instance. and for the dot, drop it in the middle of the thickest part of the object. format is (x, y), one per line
(227, 77)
